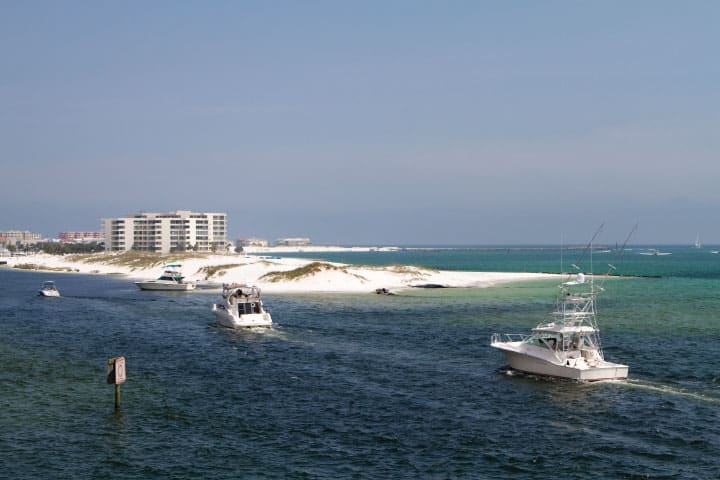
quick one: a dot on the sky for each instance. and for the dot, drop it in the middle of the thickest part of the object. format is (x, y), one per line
(366, 122)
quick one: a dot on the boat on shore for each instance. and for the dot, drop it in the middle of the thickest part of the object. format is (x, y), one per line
(49, 289)
(171, 279)
(241, 307)
(569, 345)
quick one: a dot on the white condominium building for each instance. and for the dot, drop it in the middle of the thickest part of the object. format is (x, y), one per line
(15, 237)
(166, 232)
(292, 242)
(81, 237)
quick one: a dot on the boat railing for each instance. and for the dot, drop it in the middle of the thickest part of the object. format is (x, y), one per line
(573, 318)
(240, 289)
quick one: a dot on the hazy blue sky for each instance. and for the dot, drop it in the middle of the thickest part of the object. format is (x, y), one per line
(391, 122)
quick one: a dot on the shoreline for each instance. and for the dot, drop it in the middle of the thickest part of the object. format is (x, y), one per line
(420, 248)
(273, 274)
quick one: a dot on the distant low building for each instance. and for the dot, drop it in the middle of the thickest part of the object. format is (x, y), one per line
(252, 242)
(178, 231)
(81, 237)
(17, 237)
(292, 242)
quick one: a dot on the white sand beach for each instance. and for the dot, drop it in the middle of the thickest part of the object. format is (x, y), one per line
(273, 274)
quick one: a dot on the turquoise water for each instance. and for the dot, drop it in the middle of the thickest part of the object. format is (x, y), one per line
(682, 261)
(359, 386)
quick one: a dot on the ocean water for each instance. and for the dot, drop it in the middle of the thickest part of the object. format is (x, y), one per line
(360, 386)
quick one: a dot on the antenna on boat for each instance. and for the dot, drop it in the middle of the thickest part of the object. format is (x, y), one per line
(627, 239)
(562, 267)
(561, 256)
(589, 246)
(612, 267)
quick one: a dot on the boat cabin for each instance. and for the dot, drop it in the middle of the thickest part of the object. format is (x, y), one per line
(246, 298)
(172, 273)
(171, 277)
(579, 339)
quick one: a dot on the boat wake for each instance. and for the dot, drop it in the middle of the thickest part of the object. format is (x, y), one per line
(672, 390)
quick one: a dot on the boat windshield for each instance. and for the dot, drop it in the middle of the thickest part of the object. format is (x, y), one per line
(171, 279)
(547, 340)
(557, 341)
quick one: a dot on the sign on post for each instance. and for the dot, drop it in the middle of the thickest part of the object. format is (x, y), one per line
(116, 375)
(116, 370)
(119, 370)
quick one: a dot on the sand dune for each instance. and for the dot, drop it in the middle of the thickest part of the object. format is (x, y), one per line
(270, 273)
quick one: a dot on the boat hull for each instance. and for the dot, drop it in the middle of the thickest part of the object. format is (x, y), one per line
(167, 286)
(49, 293)
(524, 362)
(249, 320)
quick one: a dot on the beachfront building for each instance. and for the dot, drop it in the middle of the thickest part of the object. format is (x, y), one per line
(18, 237)
(178, 231)
(81, 237)
(292, 242)
(252, 242)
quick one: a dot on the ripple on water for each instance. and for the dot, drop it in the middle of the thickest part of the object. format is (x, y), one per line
(407, 387)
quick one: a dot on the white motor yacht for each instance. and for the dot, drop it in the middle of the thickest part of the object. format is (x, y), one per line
(241, 307)
(49, 289)
(172, 279)
(569, 345)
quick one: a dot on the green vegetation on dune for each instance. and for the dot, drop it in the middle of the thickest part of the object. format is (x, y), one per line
(134, 259)
(33, 266)
(305, 271)
(219, 270)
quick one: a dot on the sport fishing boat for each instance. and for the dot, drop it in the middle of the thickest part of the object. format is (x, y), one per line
(569, 345)
(241, 307)
(49, 289)
(172, 279)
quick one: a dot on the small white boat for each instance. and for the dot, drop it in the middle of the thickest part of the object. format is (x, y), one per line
(241, 307)
(655, 253)
(569, 345)
(49, 289)
(172, 279)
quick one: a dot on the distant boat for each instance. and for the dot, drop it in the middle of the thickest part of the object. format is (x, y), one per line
(697, 241)
(172, 279)
(49, 289)
(655, 252)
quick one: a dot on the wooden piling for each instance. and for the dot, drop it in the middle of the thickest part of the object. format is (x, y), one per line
(117, 396)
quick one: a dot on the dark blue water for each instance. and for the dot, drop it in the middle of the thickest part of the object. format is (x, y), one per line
(351, 386)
